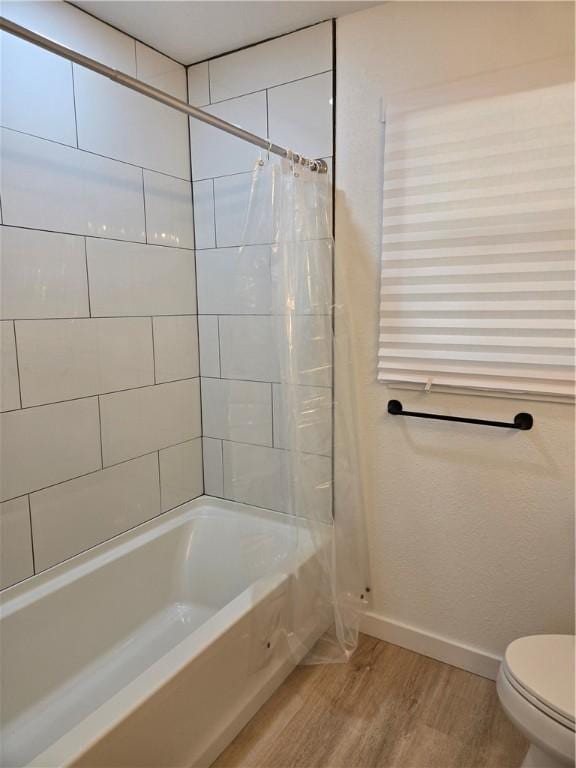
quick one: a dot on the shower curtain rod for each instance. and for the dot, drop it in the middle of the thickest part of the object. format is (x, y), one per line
(155, 93)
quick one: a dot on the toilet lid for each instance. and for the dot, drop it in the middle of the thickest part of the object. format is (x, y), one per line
(544, 666)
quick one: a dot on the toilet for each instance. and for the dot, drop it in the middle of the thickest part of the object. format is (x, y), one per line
(536, 689)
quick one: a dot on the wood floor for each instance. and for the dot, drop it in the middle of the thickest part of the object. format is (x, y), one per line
(387, 708)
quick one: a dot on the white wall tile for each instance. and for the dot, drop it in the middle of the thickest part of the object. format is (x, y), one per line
(160, 71)
(237, 410)
(215, 153)
(176, 347)
(119, 123)
(143, 420)
(232, 199)
(16, 562)
(313, 349)
(66, 359)
(198, 85)
(233, 281)
(169, 219)
(300, 115)
(75, 29)
(245, 347)
(9, 389)
(213, 472)
(255, 475)
(307, 267)
(259, 476)
(181, 473)
(133, 279)
(204, 223)
(74, 516)
(300, 54)
(37, 93)
(48, 186)
(303, 418)
(315, 474)
(248, 348)
(209, 345)
(46, 445)
(43, 274)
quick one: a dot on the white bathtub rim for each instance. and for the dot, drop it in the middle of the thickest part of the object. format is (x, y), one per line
(106, 717)
(35, 587)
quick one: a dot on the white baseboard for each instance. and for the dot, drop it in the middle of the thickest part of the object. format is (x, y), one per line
(439, 648)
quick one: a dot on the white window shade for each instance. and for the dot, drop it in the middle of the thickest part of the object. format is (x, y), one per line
(477, 285)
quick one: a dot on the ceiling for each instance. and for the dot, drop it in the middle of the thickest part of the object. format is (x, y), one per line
(194, 30)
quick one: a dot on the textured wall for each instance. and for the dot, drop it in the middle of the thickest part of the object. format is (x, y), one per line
(470, 529)
(100, 428)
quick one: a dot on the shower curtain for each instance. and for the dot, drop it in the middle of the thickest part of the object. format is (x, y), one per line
(317, 468)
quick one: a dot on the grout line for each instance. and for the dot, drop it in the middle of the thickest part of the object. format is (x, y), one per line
(144, 206)
(104, 317)
(209, 86)
(267, 244)
(17, 366)
(31, 535)
(100, 469)
(90, 152)
(219, 348)
(155, 384)
(269, 447)
(74, 104)
(214, 214)
(259, 42)
(100, 394)
(100, 429)
(222, 458)
(272, 412)
(153, 350)
(265, 88)
(194, 222)
(126, 34)
(159, 481)
(327, 387)
(94, 237)
(132, 317)
(87, 280)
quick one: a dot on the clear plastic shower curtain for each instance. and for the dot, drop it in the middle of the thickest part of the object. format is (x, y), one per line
(284, 270)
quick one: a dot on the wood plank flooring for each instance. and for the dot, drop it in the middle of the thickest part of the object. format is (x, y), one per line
(387, 708)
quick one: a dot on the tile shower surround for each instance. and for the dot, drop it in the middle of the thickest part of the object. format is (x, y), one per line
(100, 395)
(100, 390)
(282, 88)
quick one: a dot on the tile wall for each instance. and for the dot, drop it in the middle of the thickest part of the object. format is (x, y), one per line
(281, 89)
(100, 389)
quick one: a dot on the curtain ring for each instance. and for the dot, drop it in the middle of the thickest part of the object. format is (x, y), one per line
(290, 158)
(267, 150)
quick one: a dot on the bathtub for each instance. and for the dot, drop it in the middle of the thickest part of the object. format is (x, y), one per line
(156, 648)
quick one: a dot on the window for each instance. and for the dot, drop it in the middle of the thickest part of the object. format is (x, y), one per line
(477, 280)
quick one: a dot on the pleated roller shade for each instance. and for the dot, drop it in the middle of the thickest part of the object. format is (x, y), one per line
(477, 279)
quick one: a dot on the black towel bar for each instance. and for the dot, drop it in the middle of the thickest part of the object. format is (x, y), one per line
(521, 420)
